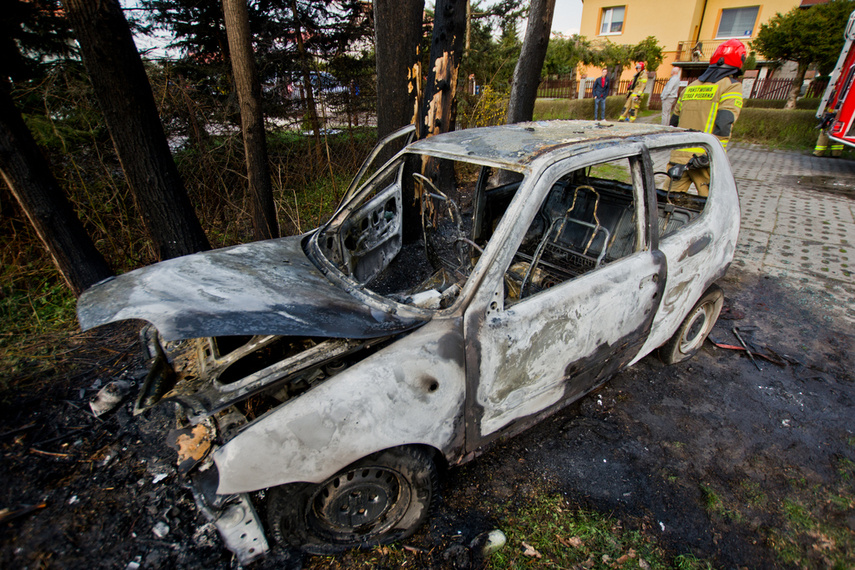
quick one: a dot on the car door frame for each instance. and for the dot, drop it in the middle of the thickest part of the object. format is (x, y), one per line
(489, 299)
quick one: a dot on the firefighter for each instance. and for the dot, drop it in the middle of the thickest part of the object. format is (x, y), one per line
(636, 88)
(823, 140)
(710, 104)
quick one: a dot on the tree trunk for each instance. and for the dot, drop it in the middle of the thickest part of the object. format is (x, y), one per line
(449, 31)
(530, 63)
(125, 98)
(28, 176)
(264, 222)
(797, 87)
(397, 30)
(311, 108)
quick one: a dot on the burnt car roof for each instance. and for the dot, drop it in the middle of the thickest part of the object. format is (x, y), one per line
(518, 145)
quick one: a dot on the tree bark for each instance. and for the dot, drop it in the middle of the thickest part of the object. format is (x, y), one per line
(397, 31)
(527, 72)
(264, 222)
(311, 107)
(125, 98)
(28, 176)
(449, 34)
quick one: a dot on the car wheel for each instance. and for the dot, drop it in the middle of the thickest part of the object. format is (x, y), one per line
(377, 500)
(694, 329)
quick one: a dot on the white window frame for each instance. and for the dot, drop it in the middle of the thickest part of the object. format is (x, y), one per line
(720, 36)
(606, 21)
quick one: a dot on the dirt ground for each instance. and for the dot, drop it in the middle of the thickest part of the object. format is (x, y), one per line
(701, 455)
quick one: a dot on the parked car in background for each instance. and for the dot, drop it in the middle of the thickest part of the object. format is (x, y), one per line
(474, 283)
(323, 85)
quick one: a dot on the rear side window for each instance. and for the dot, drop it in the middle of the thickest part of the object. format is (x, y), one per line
(680, 201)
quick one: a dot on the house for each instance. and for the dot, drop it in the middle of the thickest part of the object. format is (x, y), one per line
(688, 30)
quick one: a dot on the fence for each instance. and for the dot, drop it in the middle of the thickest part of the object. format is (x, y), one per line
(761, 89)
(780, 88)
(569, 89)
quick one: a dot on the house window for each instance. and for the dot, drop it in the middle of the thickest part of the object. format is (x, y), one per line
(737, 22)
(612, 21)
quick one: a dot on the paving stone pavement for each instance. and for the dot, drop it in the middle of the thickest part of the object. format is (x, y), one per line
(798, 222)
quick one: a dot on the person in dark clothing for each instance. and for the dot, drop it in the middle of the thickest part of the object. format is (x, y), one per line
(601, 91)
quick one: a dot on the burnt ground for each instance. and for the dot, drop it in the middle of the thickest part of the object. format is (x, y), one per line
(651, 447)
(711, 457)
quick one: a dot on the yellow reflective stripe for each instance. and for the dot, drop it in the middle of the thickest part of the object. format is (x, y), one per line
(723, 144)
(737, 97)
(696, 150)
(711, 118)
(818, 147)
(837, 147)
(700, 93)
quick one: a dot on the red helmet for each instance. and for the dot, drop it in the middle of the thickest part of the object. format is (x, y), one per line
(731, 52)
(641, 63)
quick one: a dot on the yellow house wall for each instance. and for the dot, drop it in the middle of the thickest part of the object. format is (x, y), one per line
(767, 10)
(670, 22)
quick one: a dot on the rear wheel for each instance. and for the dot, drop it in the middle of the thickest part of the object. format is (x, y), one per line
(694, 329)
(377, 500)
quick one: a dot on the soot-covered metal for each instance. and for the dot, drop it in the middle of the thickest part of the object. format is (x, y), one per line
(476, 282)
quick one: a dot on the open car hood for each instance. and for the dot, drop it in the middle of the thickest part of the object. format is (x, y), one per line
(267, 287)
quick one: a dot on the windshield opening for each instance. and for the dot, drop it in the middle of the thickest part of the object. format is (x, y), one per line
(416, 230)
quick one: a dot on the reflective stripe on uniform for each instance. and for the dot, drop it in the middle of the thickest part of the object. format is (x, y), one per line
(737, 99)
(711, 118)
(837, 147)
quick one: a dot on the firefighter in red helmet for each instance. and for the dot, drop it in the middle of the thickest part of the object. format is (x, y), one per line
(633, 98)
(710, 104)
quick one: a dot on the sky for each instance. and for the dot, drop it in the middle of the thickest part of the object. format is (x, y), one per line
(567, 17)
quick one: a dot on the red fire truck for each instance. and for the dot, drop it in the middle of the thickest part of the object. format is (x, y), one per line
(837, 109)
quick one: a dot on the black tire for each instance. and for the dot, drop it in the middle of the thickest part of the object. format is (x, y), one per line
(694, 329)
(377, 500)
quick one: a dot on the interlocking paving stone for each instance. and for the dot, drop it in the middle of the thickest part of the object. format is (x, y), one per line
(798, 223)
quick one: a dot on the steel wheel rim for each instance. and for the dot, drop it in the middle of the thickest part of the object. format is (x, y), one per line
(359, 504)
(697, 330)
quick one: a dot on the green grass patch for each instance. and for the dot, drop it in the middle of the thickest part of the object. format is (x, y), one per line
(549, 533)
(37, 316)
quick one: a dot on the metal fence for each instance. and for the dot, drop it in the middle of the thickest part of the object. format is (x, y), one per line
(780, 88)
(761, 89)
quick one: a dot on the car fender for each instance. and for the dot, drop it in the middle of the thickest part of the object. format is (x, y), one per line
(410, 392)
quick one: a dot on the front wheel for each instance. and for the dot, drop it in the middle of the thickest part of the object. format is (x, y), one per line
(377, 500)
(694, 329)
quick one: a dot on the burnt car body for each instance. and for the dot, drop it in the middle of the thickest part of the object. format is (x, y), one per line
(470, 285)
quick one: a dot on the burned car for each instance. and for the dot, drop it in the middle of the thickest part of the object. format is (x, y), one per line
(467, 287)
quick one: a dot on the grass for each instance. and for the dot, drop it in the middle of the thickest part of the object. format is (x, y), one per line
(550, 533)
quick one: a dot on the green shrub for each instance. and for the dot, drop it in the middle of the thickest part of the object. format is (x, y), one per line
(807, 103)
(776, 127)
(549, 109)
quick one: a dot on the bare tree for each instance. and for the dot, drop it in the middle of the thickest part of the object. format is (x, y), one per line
(28, 176)
(397, 31)
(264, 222)
(530, 63)
(125, 98)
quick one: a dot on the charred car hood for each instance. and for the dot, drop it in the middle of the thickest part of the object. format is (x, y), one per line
(267, 287)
